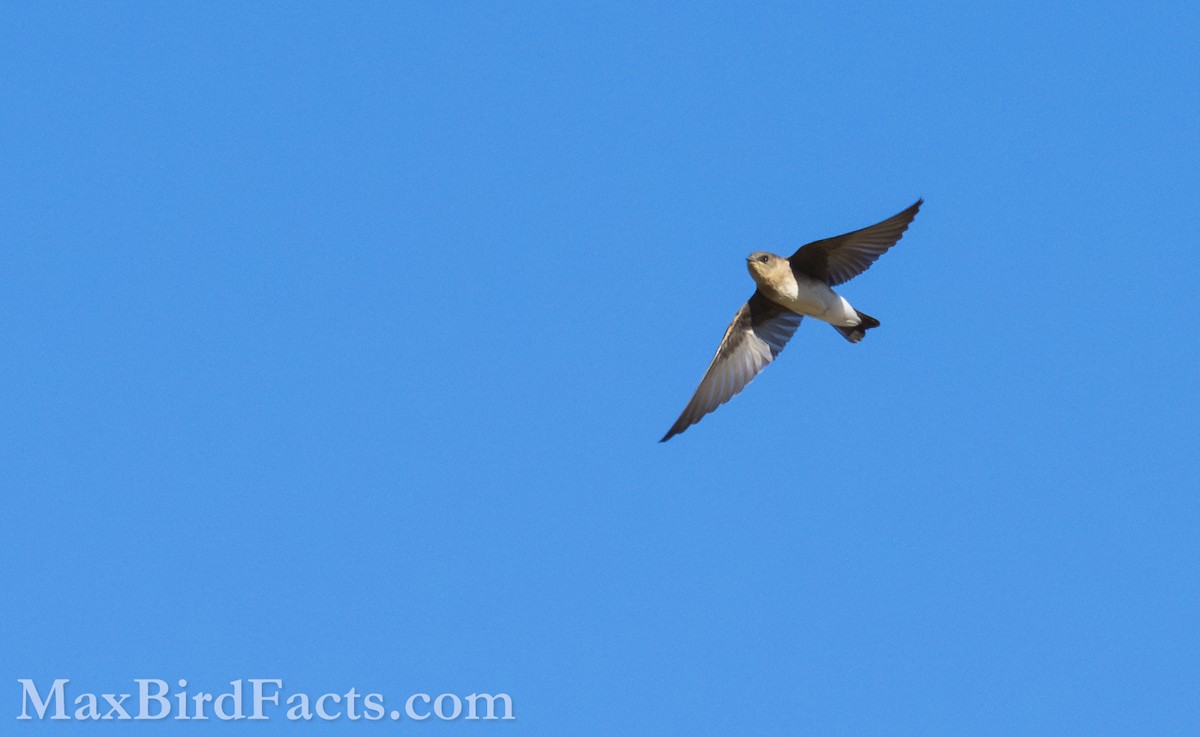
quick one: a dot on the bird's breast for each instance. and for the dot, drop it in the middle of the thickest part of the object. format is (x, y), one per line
(804, 296)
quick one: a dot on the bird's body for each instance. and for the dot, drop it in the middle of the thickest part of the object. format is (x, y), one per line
(790, 289)
(801, 293)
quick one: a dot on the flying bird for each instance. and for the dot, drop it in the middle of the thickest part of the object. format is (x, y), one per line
(789, 289)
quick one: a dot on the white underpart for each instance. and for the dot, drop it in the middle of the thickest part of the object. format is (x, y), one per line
(811, 297)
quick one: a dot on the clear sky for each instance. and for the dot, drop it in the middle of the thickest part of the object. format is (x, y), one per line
(337, 340)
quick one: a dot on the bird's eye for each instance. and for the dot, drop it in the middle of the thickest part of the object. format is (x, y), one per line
(762, 259)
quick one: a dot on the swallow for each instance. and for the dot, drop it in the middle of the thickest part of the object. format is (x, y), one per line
(788, 290)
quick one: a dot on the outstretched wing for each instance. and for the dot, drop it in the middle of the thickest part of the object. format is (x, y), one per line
(759, 331)
(840, 259)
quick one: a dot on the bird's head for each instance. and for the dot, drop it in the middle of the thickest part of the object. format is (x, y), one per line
(767, 266)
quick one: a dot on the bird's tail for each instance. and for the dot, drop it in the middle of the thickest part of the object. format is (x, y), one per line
(855, 333)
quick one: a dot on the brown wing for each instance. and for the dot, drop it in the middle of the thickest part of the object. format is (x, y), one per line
(840, 259)
(759, 331)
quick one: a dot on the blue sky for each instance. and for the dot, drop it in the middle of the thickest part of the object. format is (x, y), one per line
(338, 340)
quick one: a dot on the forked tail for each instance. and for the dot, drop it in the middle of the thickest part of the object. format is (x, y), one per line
(856, 332)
